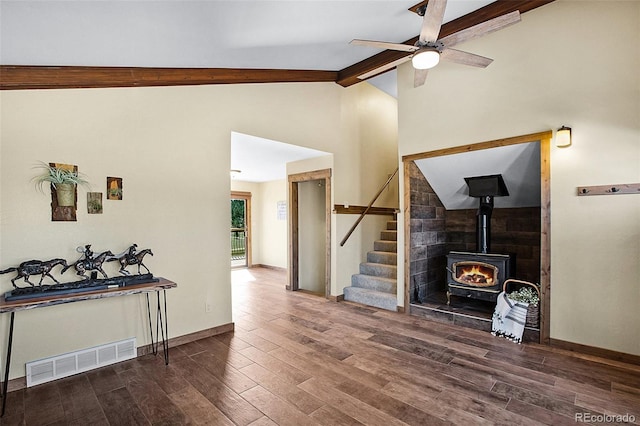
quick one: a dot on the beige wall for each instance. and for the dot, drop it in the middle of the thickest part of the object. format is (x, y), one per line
(273, 241)
(370, 117)
(171, 146)
(563, 64)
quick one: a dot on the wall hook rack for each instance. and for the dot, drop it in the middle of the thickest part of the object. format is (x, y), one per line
(628, 188)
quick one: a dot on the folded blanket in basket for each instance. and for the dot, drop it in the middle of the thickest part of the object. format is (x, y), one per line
(509, 318)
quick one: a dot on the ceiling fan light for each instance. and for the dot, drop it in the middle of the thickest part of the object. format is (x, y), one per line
(425, 59)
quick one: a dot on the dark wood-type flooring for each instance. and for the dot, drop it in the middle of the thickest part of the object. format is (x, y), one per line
(297, 359)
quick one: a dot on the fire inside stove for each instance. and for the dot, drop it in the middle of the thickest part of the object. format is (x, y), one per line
(476, 274)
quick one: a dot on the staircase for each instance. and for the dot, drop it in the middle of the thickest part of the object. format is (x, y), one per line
(376, 283)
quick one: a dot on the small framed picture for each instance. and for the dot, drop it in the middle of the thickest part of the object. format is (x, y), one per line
(94, 202)
(114, 188)
(282, 210)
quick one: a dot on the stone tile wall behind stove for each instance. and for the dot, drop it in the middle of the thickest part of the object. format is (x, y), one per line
(436, 231)
(515, 230)
(428, 238)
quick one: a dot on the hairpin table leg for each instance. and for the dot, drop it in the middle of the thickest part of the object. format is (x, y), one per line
(8, 365)
(154, 347)
(164, 326)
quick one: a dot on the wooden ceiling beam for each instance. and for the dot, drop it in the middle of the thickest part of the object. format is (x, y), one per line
(349, 76)
(67, 77)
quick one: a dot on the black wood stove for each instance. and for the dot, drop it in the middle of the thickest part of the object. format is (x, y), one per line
(480, 275)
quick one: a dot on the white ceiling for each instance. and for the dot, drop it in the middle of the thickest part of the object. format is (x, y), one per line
(304, 34)
(264, 160)
(284, 34)
(518, 164)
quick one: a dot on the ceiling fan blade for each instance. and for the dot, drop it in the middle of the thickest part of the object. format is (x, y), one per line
(465, 58)
(385, 45)
(419, 77)
(384, 68)
(479, 30)
(432, 20)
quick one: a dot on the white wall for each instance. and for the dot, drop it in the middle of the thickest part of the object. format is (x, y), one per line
(563, 64)
(171, 147)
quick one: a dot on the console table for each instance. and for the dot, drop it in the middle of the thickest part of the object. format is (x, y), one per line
(159, 286)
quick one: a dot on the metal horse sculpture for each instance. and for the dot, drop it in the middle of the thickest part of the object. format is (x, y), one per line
(130, 257)
(90, 263)
(33, 267)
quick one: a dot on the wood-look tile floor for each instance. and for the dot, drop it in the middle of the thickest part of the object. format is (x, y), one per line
(297, 359)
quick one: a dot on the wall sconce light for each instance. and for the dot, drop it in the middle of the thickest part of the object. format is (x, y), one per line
(563, 137)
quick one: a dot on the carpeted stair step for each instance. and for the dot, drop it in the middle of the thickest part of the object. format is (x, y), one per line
(385, 257)
(389, 235)
(376, 284)
(381, 245)
(370, 297)
(387, 285)
(379, 270)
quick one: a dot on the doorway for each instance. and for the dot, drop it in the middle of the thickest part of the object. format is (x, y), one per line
(240, 234)
(310, 232)
(311, 236)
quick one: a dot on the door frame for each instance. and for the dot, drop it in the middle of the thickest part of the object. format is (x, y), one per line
(544, 138)
(246, 196)
(294, 245)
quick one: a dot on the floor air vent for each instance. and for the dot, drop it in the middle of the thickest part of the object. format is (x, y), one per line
(57, 367)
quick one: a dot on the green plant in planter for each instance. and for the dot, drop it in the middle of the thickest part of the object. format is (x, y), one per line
(115, 193)
(525, 294)
(63, 181)
(94, 206)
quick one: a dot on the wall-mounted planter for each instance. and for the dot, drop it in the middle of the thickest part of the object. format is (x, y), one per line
(66, 194)
(63, 180)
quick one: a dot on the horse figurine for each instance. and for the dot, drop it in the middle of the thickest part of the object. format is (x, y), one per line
(89, 262)
(33, 267)
(131, 257)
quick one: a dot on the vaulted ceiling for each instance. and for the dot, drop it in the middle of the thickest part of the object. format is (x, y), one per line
(60, 44)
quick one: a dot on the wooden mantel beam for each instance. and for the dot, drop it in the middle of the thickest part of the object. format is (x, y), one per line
(21, 77)
(349, 76)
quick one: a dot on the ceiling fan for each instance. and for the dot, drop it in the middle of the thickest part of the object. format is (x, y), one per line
(428, 50)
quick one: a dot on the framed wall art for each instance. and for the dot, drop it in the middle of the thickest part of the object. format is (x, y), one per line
(114, 188)
(94, 202)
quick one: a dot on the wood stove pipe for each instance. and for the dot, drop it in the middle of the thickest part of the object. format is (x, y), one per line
(483, 224)
(485, 188)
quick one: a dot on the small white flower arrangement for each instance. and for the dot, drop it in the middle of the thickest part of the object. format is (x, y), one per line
(525, 294)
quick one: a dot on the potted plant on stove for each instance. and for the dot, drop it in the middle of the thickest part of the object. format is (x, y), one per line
(63, 180)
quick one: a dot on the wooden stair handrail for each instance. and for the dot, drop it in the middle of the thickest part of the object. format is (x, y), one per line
(363, 214)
